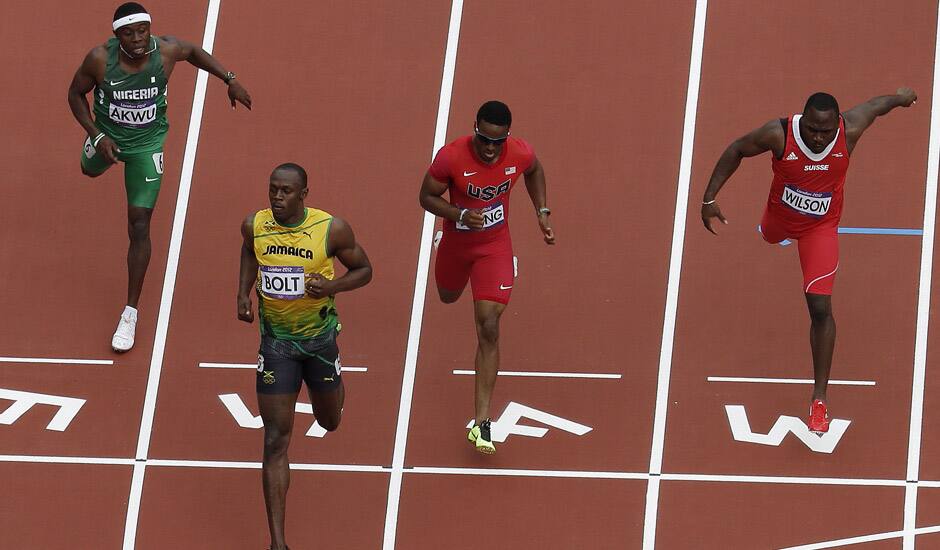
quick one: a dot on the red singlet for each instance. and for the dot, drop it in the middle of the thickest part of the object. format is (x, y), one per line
(482, 257)
(805, 204)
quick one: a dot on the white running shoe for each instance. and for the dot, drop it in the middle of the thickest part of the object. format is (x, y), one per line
(123, 339)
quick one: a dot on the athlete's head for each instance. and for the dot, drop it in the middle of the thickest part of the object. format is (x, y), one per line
(491, 129)
(131, 26)
(287, 190)
(820, 121)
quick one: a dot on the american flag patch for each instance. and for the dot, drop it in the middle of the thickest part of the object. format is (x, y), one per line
(510, 170)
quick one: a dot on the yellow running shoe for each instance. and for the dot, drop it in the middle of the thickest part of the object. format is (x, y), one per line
(484, 442)
(473, 434)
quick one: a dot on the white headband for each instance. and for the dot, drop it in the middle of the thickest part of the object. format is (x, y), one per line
(132, 18)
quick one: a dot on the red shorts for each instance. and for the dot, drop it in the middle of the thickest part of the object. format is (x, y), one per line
(488, 265)
(818, 247)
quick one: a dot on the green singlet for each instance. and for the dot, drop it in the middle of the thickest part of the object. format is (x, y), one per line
(131, 110)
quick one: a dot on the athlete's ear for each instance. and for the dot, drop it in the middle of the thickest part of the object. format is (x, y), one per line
(303, 193)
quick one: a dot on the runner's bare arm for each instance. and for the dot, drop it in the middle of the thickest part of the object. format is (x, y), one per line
(247, 271)
(431, 198)
(88, 74)
(535, 185)
(182, 50)
(768, 137)
(859, 118)
(341, 244)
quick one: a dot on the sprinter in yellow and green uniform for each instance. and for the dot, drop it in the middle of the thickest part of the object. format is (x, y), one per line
(287, 260)
(129, 75)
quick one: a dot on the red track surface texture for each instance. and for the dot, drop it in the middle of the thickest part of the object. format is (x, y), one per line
(156, 458)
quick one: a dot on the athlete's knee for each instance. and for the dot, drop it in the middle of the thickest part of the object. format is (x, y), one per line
(138, 227)
(449, 296)
(820, 307)
(488, 329)
(330, 423)
(276, 441)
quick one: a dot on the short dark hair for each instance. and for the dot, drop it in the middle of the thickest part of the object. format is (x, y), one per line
(495, 112)
(821, 101)
(128, 8)
(296, 168)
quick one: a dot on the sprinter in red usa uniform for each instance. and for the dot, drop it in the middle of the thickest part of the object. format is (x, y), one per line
(810, 159)
(478, 172)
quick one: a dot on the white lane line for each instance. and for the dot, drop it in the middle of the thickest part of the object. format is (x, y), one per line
(547, 374)
(169, 284)
(56, 361)
(675, 270)
(786, 480)
(923, 301)
(68, 459)
(421, 282)
(257, 466)
(865, 538)
(789, 381)
(527, 473)
(254, 366)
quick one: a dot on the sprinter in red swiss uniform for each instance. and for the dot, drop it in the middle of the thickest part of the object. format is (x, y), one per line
(810, 159)
(478, 172)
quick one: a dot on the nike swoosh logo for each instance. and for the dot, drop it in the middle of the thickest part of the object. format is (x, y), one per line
(501, 287)
(118, 82)
(151, 179)
(468, 174)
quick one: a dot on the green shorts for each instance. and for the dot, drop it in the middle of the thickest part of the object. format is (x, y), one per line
(143, 172)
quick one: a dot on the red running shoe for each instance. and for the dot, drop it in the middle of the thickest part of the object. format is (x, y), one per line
(818, 417)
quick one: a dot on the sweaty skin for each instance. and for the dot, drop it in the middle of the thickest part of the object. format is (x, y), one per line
(286, 194)
(817, 129)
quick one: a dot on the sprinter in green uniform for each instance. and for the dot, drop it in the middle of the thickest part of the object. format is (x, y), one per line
(129, 75)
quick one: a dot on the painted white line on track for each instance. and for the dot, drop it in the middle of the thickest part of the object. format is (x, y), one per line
(786, 480)
(675, 271)
(257, 466)
(923, 302)
(789, 381)
(254, 366)
(527, 473)
(56, 361)
(169, 284)
(547, 374)
(865, 538)
(421, 282)
(68, 460)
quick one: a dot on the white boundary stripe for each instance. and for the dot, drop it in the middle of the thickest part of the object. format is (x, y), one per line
(421, 282)
(923, 302)
(549, 374)
(254, 366)
(169, 284)
(865, 538)
(56, 361)
(527, 473)
(68, 459)
(789, 381)
(675, 270)
(257, 466)
(729, 478)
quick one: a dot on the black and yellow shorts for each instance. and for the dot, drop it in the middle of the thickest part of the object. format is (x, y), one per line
(283, 364)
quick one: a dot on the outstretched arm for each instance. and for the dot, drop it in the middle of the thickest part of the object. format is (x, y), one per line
(859, 118)
(247, 271)
(768, 137)
(535, 185)
(200, 58)
(341, 244)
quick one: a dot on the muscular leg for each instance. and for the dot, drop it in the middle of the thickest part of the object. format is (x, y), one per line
(138, 252)
(487, 315)
(328, 406)
(277, 412)
(822, 340)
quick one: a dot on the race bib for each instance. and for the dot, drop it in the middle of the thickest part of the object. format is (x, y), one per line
(492, 215)
(282, 282)
(133, 115)
(806, 202)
